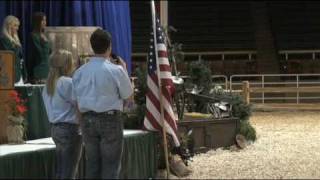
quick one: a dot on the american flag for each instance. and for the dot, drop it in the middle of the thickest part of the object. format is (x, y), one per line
(152, 120)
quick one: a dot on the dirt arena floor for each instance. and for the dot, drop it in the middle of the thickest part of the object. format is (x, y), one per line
(287, 147)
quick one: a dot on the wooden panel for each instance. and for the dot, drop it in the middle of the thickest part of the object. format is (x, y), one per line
(3, 116)
(220, 135)
(7, 69)
(7, 78)
(208, 133)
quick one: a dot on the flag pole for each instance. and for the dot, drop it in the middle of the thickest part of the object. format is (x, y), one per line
(165, 144)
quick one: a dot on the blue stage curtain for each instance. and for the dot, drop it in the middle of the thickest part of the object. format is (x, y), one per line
(113, 16)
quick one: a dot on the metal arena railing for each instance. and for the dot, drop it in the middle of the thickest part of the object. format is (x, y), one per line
(279, 86)
(220, 80)
(298, 85)
(266, 88)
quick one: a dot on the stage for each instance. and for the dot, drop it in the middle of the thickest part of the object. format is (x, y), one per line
(36, 158)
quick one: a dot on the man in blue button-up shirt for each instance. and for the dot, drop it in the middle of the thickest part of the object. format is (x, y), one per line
(100, 86)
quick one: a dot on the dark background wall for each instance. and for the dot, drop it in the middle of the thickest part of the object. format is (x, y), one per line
(266, 27)
(211, 25)
(296, 25)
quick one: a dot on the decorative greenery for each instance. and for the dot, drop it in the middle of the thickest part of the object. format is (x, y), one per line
(243, 111)
(186, 150)
(135, 120)
(201, 76)
(15, 104)
(247, 130)
(175, 52)
(239, 108)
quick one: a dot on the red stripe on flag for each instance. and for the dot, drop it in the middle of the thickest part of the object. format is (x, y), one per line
(154, 78)
(167, 94)
(167, 82)
(170, 121)
(165, 67)
(154, 100)
(169, 88)
(162, 54)
(153, 121)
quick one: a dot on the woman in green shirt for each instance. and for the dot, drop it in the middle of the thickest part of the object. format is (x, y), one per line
(40, 50)
(10, 41)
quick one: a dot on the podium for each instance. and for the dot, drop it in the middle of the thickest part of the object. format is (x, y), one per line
(7, 69)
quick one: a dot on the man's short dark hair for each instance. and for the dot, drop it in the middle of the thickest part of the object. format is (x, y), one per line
(100, 41)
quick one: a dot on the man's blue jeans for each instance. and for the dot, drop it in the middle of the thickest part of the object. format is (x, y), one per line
(68, 149)
(103, 141)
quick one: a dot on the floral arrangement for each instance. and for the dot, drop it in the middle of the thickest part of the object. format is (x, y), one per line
(16, 107)
(16, 129)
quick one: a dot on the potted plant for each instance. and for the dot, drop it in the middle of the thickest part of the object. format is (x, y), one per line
(16, 121)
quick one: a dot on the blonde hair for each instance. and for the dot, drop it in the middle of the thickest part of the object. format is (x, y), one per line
(10, 20)
(60, 64)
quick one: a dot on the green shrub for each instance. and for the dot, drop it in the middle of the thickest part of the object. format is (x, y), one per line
(247, 130)
(135, 119)
(240, 110)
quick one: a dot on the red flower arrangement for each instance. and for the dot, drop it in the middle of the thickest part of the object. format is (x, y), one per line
(16, 105)
(16, 108)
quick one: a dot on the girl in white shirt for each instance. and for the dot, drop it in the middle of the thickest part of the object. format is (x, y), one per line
(62, 114)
